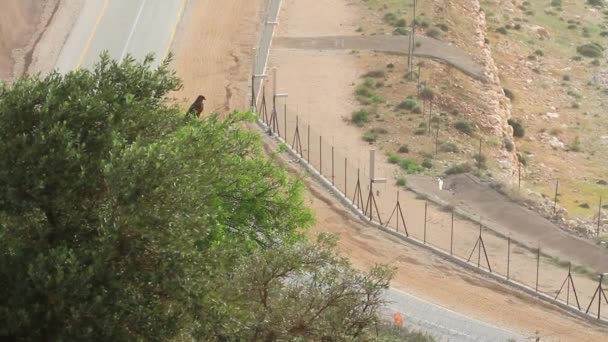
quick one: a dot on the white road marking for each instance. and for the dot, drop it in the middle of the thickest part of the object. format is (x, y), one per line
(133, 27)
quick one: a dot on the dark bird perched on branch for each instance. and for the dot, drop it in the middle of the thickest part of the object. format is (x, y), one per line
(197, 106)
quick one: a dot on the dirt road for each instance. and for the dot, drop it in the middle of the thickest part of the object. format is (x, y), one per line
(429, 47)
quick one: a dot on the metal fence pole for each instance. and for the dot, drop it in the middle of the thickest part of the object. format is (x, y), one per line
(308, 145)
(537, 266)
(426, 203)
(599, 217)
(555, 199)
(452, 234)
(345, 177)
(508, 256)
(321, 155)
(332, 167)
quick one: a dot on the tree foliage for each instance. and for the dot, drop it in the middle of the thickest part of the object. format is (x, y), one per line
(123, 219)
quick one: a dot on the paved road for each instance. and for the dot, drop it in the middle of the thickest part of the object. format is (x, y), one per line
(398, 44)
(263, 49)
(441, 323)
(121, 27)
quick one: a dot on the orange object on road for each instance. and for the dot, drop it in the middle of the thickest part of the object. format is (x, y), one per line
(398, 319)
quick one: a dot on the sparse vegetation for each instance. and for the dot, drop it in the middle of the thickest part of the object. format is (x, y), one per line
(370, 136)
(404, 149)
(375, 74)
(408, 104)
(394, 159)
(458, 169)
(360, 117)
(401, 181)
(427, 164)
(449, 147)
(433, 33)
(410, 166)
(509, 94)
(518, 129)
(591, 50)
(465, 127)
(509, 146)
(366, 92)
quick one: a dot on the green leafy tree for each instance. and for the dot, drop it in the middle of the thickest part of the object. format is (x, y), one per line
(112, 204)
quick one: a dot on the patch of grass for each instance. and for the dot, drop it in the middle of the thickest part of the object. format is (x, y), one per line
(591, 50)
(365, 92)
(502, 30)
(401, 181)
(465, 127)
(480, 160)
(443, 27)
(375, 74)
(449, 147)
(360, 117)
(597, 3)
(518, 129)
(407, 104)
(420, 131)
(370, 136)
(509, 94)
(404, 149)
(410, 166)
(427, 164)
(458, 169)
(433, 33)
(576, 145)
(401, 31)
(393, 158)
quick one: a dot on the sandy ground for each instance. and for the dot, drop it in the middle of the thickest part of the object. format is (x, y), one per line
(19, 25)
(213, 52)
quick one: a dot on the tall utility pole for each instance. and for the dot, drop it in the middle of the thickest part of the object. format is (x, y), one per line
(412, 40)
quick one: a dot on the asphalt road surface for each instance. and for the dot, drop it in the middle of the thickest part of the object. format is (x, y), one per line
(441, 323)
(135, 27)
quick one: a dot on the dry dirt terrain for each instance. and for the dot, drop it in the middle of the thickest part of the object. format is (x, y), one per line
(213, 52)
(21, 23)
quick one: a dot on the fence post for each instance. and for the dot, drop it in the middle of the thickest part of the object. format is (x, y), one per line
(519, 175)
(437, 140)
(332, 166)
(345, 177)
(599, 217)
(555, 199)
(508, 256)
(452, 234)
(308, 145)
(537, 266)
(285, 123)
(321, 155)
(426, 203)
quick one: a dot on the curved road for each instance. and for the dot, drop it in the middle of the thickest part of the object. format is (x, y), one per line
(139, 27)
(429, 47)
(121, 27)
